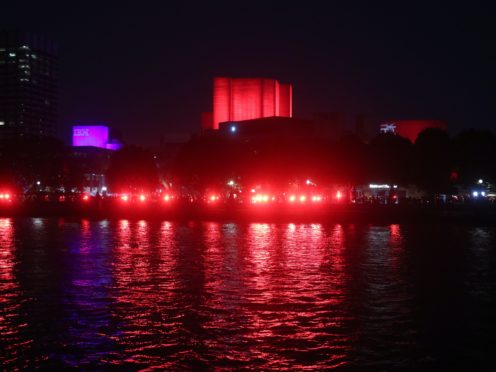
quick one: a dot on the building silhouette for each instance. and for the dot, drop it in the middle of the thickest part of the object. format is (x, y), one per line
(28, 85)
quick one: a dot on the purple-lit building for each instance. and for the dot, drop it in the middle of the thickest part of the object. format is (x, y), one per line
(94, 136)
(92, 147)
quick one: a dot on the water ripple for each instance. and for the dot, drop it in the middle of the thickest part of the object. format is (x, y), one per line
(195, 295)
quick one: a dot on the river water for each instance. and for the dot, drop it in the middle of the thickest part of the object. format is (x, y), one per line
(196, 295)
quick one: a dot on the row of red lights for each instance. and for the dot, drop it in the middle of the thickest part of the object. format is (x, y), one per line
(142, 198)
(262, 198)
(213, 198)
(5, 196)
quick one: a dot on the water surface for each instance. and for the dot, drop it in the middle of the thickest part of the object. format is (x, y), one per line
(137, 293)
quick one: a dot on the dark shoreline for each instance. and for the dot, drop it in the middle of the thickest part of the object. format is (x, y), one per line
(482, 213)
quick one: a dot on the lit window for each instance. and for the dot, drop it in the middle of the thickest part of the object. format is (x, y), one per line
(2, 123)
(12, 54)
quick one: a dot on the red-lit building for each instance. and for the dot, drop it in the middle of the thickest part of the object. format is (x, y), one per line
(237, 99)
(411, 128)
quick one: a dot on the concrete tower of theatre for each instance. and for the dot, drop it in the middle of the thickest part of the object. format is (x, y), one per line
(236, 99)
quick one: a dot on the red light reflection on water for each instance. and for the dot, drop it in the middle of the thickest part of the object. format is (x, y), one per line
(217, 287)
(396, 244)
(7, 258)
(133, 251)
(282, 288)
(10, 298)
(86, 245)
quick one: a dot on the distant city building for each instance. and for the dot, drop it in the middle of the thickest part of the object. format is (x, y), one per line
(411, 128)
(92, 147)
(93, 163)
(28, 85)
(94, 136)
(237, 99)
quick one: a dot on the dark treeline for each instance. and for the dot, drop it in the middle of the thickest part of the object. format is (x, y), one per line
(435, 162)
(132, 169)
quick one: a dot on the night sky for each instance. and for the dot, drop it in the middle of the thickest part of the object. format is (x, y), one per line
(147, 69)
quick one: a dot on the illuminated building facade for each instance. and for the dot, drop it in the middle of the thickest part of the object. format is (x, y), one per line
(411, 128)
(92, 149)
(237, 99)
(93, 136)
(28, 85)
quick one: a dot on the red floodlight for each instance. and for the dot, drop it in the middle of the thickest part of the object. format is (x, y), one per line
(86, 197)
(316, 198)
(213, 198)
(339, 195)
(124, 198)
(261, 198)
(142, 198)
(303, 199)
(5, 197)
(168, 198)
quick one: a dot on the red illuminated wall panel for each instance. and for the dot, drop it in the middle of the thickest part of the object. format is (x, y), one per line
(222, 101)
(285, 100)
(411, 128)
(249, 98)
(246, 99)
(269, 87)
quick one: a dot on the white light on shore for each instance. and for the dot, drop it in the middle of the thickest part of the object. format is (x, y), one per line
(377, 186)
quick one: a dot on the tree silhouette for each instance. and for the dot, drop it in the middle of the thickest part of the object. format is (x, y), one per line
(132, 169)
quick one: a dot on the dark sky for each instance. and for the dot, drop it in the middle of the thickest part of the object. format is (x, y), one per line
(146, 67)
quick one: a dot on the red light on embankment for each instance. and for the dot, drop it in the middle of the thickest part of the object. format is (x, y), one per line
(213, 199)
(261, 198)
(298, 198)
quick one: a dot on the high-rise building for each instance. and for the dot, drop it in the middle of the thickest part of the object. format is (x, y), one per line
(28, 85)
(236, 99)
